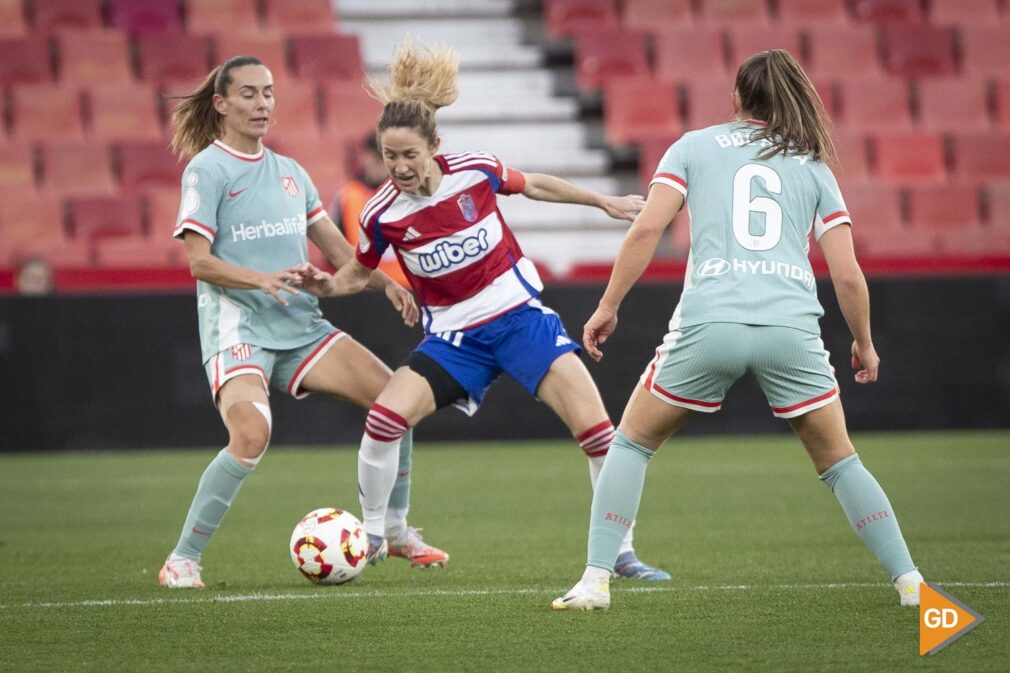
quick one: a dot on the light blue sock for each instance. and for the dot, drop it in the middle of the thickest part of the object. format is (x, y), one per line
(218, 486)
(615, 499)
(870, 513)
(399, 499)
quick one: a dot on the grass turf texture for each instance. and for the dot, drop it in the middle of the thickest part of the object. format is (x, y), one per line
(716, 512)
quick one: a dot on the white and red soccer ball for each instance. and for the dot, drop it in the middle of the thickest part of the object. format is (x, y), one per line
(329, 546)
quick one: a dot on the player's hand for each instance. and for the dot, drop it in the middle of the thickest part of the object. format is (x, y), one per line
(866, 361)
(403, 301)
(623, 207)
(314, 280)
(280, 281)
(597, 330)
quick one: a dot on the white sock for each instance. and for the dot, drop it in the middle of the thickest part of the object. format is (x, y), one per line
(396, 522)
(593, 577)
(377, 463)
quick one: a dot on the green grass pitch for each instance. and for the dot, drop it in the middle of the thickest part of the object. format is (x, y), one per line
(768, 576)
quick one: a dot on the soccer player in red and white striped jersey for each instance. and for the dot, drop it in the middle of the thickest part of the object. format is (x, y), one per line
(478, 292)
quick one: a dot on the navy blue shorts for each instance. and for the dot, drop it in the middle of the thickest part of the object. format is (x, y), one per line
(523, 343)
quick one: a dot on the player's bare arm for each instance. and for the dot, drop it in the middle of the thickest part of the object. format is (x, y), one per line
(853, 299)
(203, 265)
(637, 251)
(543, 187)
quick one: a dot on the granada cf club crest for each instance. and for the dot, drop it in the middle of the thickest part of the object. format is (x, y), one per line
(241, 352)
(468, 207)
(290, 186)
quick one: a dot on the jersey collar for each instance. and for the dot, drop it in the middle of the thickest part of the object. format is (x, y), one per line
(239, 155)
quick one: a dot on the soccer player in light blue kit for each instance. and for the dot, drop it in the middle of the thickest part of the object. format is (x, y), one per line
(754, 189)
(246, 216)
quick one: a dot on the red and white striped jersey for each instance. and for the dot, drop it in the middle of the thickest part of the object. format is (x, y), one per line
(460, 257)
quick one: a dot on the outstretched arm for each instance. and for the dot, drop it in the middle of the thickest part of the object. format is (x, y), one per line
(637, 251)
(543, 187)
(203, 265)
(853, 299)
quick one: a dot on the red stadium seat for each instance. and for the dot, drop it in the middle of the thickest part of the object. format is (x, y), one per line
(149, 165)
(828, 92)
(893, 244)
(1003, 104)
(689, 53)
(953, 104)
(77, 168)
(44, 111)
(709, 101)
(25, 217)
(51, 15)
(888, 11)
(843, 51)
(124, 111)
(813, 12)
(96, 217)
(919, 51)
(943, 206)
(963, 12)
(324, 57)
(222, 16)
(142, 17)
(94, 57)
(604, 54)
(297, 112)
(640, 108)
(162, 212)
(982, 156)
(975, 242)
(564, 18)
(999, 204)
(299, 16)
(875, 105)
(650, 152)
(747, 41)
(323, 159)
(139, 252)
(17, 167)
(872, 206)
(266, 47)
(984, 50)
(350, 112)
(652, 16)
(910, 158)
(851, 150)
(738, 12)
(12, 19)
(25, 60)
(172, 56)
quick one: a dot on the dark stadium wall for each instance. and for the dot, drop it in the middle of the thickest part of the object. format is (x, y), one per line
(124, 371)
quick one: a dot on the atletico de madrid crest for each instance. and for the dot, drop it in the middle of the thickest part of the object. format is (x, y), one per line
(468, 207)
(241, 352)
(290, 186)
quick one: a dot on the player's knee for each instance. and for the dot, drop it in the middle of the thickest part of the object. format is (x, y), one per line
(384, 424)
(249, 430)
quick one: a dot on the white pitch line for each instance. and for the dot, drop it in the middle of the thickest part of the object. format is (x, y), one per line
(338, 594)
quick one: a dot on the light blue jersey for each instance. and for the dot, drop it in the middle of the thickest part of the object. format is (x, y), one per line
(255, 209)
(750, 226)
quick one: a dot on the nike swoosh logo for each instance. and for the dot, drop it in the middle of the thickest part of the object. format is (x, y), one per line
(232, 195)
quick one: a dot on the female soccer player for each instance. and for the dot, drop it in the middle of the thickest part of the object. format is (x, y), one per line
(478, 292)
(245, 216)
(755, 188)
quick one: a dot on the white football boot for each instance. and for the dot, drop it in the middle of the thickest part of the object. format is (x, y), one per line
(583, 596)
(908, 587)
(180, 573)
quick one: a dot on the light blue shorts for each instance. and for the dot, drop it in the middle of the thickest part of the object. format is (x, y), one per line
(283, 370)
(696, 365)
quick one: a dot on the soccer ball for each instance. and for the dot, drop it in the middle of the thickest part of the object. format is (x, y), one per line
(328, 546)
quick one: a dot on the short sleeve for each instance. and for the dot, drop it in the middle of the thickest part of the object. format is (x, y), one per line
(672, 169)
(314, 209)
(510, 180)
(201, 194)
(371, 244)
(831, 210)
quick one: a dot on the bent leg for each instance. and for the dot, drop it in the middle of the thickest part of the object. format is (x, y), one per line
(862, 499)
(244, 408)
